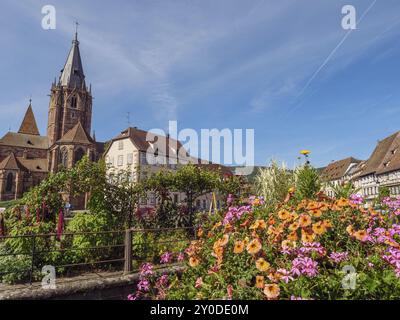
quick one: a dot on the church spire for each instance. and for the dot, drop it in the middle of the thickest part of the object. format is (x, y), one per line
(28, 125)
(72, 75)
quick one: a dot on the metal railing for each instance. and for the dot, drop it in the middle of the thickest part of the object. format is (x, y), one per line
(117, 249)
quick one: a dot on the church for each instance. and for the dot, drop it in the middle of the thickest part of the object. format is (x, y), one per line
(27, 157)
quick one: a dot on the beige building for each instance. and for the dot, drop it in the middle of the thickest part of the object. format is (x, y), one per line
(143, 153)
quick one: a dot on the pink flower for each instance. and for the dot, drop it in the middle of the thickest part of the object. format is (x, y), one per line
(181, 257)
(166, 257)
(199, 283)
(229, 290)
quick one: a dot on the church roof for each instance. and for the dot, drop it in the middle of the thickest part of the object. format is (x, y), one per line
(77, 135)
(24, 140)
(28, 125)
(72, 75)
(11, 163)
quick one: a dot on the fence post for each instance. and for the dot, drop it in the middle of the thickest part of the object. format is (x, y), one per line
(32, 260)
(128, 251)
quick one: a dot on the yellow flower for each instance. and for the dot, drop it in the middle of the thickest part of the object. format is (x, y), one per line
(272, 291)
(294, 226)
(262, 265)
(284, 214)
(304, 221)
(318, 228)
(260, 282)
(254, 246)
(291, 190)
(288, 244)
(305, 152)
(194, 262)
(239, 247)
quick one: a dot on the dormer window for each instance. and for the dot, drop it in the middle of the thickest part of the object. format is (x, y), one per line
(393, 151)
(29, 142)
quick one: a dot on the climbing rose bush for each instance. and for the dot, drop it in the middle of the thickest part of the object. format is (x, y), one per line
(296, 250)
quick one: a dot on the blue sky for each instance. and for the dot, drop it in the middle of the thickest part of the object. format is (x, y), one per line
(216, 64)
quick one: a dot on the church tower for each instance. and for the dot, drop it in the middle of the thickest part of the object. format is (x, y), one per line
(70, 99)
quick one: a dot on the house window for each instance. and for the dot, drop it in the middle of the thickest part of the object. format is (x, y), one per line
(204, 204)
(129, 158)
(143, 201)
(120, 145)
(143, 159)
(120, 160)
(9, 182)
(175, 198)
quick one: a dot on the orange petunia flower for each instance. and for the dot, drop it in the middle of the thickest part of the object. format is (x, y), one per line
(194, 262)
(327, 224)
(342, 202)
(294, 226)
(304, 220)
(272, 291)
(219, 251)
(361, 235)
(262, 265)
(350, 230)
(224, 240)
(316, 213)
(258, 224)
(260, 282)
(238, 247)
(307, 237)
(318, 228)
(293, 236)
(284, 214)
(254, 246)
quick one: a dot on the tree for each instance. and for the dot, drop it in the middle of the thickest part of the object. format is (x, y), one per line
(308, 182)
(194, 181)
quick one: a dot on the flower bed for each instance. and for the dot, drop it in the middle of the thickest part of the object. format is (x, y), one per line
(312, 249)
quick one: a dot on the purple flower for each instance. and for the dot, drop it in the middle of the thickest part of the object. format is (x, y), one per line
(338, 257)
(166, 257)
(144, 285)
(162, 281)
(285, 275)
(235, 213)
(181, 257)
(304, 266)
(356, 199)
(146, 270)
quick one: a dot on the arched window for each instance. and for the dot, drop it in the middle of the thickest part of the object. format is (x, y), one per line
(74, 102)
(9, 182)
(64, 157)
(79, 153)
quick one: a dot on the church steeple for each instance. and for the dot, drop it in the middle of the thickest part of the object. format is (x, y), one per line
(28, 125)
(71, 100)
(72, 75)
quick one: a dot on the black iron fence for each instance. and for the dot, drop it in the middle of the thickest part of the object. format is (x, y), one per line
(120, 250)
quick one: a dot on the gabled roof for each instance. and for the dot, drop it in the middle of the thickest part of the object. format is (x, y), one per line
(385, 157)
(28, 125)
(11, 163)
(23, 140)
(72, 75)
(338, 169)
(144, 141)
(76, 135)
